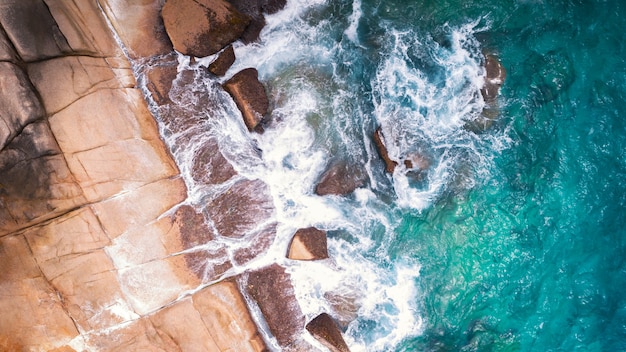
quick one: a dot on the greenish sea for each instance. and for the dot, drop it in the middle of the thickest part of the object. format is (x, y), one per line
(514, 239)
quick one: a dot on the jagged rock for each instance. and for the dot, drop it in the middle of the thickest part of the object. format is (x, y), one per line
(222, 63)
(340, 178)
(324, 328)
(139, 26)
(308, 244)
(416, 161)
(19, 104)
(273, 6)
(494, 77)
(255, 9)
(242, 208)
(379, 141)
(202, 27)
(272, 290)
(249, 95)
(32, 30)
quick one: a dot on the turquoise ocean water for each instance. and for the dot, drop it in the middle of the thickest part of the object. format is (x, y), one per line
(514, 239)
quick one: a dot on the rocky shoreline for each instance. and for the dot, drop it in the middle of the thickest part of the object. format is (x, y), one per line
(101, 247)
(98, 248)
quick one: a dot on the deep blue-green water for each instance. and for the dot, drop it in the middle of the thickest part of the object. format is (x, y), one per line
(514, 238)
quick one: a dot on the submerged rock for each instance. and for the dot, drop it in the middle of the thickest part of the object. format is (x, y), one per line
(308, 244)
(495, 75)
(340, 178)
(379, 141)
(202, 27)
(324, 328)
(249, 95)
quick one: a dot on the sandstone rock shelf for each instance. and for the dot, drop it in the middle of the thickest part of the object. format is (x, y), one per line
(101, 248)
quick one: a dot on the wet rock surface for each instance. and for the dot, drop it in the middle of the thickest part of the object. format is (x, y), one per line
(222, 63)
(308, 244)
(379, 141)
(271, 288)
(324, 328)
(203, 27)
(249, 95)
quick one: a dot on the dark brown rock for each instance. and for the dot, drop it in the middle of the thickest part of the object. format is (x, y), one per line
(416, 161)
(159, 82)
(223, 61)
(273, 6)
(308, 244)
(202, 27)
(379, 141)
(19, 104)
(272, 290)
(7, 52)
(324, 328)
(32, 29)
(340, 178)
(35, 181)
(193, 229)
(258, 244)
(249, 95)
(242, 208)
(210, 166)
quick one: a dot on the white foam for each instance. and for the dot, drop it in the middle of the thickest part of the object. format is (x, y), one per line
(355, 17)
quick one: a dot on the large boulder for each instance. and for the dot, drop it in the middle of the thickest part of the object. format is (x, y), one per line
(308, 244)
(202, 27)
(379, 141)
(272, 290)
(340, 178)
(324, 328)
(249, 95)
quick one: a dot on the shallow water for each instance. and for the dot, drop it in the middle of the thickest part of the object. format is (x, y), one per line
(514, 237)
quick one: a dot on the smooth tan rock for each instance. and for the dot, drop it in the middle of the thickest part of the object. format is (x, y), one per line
(324, 328)
(182, 322)
(308, 244)
(271, 288)
(19, 104)
(32, 30)
(341, 178)
(226, 316)
(65, 80)
(140, 206)
(249, 95)
(35, 181)
(222, 63)
(379, 141)
(139, 26)
(84, 27)
(90, 289)
(32, 314)
(74, 233)
(202, 27)
(242, 208)
(139, 335)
